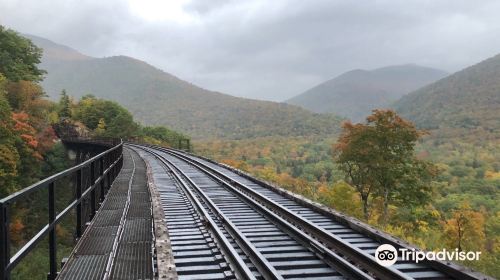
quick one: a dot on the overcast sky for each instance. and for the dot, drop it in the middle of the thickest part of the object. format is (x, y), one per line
(267, 49)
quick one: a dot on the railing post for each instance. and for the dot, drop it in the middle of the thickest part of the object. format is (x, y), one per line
(52, 235)
(117, 165)
(111, 161)
(92, 192)
(101, 173)
(120, 154)
(108, 175)
(4, 242)
(120, 161)
(112, 170)
(79, 205)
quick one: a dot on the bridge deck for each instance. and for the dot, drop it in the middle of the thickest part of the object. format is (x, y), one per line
(118, 243)
(214, 222)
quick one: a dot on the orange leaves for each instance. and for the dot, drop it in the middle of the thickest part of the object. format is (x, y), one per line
(21, 122)
(26, 131)
(30, 140)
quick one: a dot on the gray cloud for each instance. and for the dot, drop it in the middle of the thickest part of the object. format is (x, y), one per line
(270, 49)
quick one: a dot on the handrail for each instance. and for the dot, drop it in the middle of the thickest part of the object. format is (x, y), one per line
(105, 165)
(104, 141)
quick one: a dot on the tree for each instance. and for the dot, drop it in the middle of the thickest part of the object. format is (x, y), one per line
(19, 57)
(119, 122)
(465, 229)
(9, 157)
(24, 95)
(64, 105)
(342, 197)
(23, 111)
(122, 126)
(379, 160)
(101, 127)
(353, 157)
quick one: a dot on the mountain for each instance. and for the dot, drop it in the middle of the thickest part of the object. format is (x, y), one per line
(356, 93)
(469, 98)
(53, 51)
(155, 97)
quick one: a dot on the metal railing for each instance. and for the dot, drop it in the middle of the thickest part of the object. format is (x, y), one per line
(96, 172)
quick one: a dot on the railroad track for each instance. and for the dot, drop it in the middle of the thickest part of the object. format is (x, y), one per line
(226, 225)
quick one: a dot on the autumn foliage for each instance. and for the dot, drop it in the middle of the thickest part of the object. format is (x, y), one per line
(378, 159)
(467, 168)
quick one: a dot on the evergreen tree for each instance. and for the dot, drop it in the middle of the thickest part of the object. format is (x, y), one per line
(64, 105)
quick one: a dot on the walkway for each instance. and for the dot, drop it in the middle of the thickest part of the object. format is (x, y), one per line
(118, 242)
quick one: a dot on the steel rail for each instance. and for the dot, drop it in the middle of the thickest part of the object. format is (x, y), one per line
(356, 255)
(331, 258)
(450, 269)
(266, 269)
(242, 269)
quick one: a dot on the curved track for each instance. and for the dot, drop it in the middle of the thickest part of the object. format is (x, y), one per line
(236, 227)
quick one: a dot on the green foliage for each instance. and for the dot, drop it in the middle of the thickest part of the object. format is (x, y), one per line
(121, 126)
(9, 157)
(109, 119)
(55, 160)
(119, 122)
(342, 197)
(27, 150)
(298, 159)
(468, 99)
(19, 57)
(64, 105)
(162, 134)
(24, 96)
(378, 160)
(156, 98)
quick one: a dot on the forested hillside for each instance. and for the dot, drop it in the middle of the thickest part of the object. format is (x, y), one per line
(158, 98)
(356, 93)
(30, 149)
(467, 187)
(29, 146)
(467, 99)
